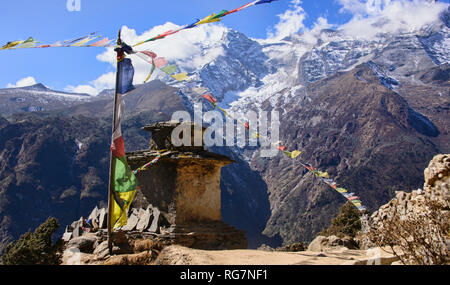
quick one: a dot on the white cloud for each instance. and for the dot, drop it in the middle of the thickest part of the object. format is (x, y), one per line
(27, 81)
(373, 17)
(105, 81)
(291, 22)
(185, 51)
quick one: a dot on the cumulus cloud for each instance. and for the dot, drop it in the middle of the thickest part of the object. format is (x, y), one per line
(105, 81)
(27, 81)
(373, 17)
(188, 52)
(291, 22)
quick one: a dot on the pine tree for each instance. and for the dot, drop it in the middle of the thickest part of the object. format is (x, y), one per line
(34, 248)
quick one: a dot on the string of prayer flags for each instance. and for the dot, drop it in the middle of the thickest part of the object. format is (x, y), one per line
(147, 165)
(208, 19)
(101, 43)
(77, 42)
(84, 41)
(324, 176)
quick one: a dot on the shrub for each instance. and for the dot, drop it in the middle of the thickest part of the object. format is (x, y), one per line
(35, 248)
(346, 223)
(419, 238)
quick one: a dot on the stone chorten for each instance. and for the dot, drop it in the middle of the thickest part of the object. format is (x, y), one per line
(185, 186)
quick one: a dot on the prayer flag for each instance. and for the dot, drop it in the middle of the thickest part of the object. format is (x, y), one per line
(160, 62)
(180, 76)
(293, 154)
(209, 19)
(169, 69)
(210, 98)
(124, 182)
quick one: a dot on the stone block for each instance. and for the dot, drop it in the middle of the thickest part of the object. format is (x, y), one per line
(131, 223)
(144, 219)
(94, 214)
(102, 220)
(154, 227)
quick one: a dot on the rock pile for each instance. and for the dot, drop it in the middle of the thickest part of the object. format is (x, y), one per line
(149, 220)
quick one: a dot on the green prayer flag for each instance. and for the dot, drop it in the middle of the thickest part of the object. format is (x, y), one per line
(169, 69)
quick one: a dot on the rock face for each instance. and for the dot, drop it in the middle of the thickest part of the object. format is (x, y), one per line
(436, 187)
(419, 221)
(358, 131)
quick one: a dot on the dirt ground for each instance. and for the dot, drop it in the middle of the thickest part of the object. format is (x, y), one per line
(178, 255)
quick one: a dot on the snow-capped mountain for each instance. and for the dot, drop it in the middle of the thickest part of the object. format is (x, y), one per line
(37, 98)
(248, 72)
(370, 111)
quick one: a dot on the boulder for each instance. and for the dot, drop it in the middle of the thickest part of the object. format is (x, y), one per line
(317, 244)
(322, 243)
(102, 251)
(85, 244)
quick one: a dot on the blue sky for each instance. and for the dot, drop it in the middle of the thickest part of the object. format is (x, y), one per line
(49, 21)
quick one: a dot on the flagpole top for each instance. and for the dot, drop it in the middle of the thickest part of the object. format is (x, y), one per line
(119, 40)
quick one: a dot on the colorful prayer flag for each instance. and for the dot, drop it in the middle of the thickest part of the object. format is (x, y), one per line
(209, 19)
(160, 62)
(169, 69)
(11, 45)
(180, 76)
(125, 183)
(210, 98)
(293, 154)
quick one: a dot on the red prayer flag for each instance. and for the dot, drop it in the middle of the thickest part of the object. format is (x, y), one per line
(210, 98)
(149, 53)
(282, 148)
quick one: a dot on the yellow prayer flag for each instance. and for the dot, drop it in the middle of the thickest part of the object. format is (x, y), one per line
(11, 45)
(119, 217)
(293, 154)
(180, 76)
(208, 19)
(341, 190)
(85, 41)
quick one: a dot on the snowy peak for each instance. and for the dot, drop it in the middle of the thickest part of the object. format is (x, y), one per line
(36, 87)
(37, 97)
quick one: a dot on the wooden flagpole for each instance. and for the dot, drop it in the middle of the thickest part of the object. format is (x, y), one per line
(112, 160)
